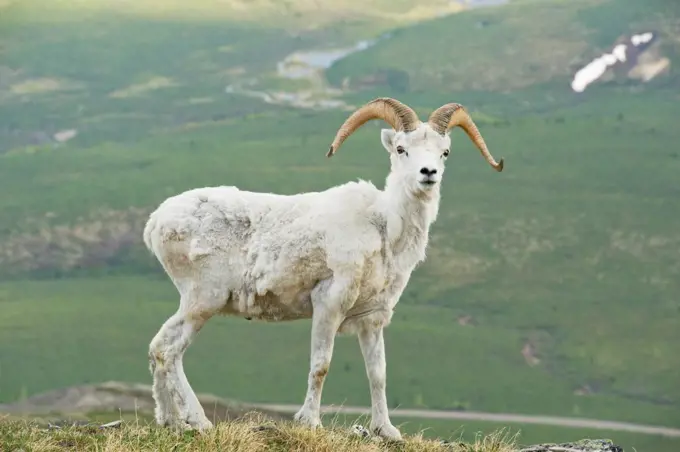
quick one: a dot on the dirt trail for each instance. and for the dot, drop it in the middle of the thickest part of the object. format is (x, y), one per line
(134, 397)
(494, 417)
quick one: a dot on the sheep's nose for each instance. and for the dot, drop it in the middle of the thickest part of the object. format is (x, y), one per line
(427, 171)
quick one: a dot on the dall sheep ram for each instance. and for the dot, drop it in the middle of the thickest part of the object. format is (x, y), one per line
(341, 257)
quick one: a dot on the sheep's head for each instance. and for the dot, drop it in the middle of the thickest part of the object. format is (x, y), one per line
(418, 150)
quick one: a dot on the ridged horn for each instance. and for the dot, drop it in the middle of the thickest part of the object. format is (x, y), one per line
(451, 115)
(398, 115)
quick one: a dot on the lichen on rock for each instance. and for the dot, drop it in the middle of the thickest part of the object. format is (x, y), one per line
(585, 445)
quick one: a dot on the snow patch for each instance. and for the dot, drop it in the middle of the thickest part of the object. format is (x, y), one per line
(620, 53)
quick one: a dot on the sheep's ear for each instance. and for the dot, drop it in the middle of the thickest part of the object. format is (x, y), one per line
(387, 138)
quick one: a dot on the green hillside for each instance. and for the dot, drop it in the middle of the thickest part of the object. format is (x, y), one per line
(528, 44)
(550, 288)
(300, 14)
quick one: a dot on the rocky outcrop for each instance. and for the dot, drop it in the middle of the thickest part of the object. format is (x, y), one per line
(122, 397)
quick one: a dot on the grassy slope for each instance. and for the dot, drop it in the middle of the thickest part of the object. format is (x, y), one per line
(234, 436)
(102, 327)
(418, 433)
(238, 436)
(604, 252)
(302, 14)
(590, 279)
(527, 44)
(57, 80)
(122, 73)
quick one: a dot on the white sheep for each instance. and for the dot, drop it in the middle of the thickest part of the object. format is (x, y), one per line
(341, 257)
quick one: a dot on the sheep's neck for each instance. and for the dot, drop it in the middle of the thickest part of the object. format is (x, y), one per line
(409, 215)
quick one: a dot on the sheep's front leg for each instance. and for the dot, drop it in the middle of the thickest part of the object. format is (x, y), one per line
(372, 346)
(325, 324)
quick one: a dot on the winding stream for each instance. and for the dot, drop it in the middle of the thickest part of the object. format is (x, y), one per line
(310, 65)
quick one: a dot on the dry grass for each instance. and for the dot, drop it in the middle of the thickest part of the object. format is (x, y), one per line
(152, 84)
(456, 267)
(252, 433)
(297, 13)
(86, 241)
(41, 85)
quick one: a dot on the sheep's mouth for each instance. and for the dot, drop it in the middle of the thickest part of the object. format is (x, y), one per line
(428, 182)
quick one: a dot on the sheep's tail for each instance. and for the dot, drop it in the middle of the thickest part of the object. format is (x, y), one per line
(161, 237)
(149, 230)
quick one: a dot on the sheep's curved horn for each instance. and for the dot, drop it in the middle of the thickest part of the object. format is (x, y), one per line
(393, 112)
(452, 115)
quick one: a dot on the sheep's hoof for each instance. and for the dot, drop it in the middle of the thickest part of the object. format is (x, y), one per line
(306, 418)
(194, 426)
(163, 423)
(202, 425)
(388, 432)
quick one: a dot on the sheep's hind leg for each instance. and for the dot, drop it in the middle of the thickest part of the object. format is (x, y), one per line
(173, 388)
(164, 412)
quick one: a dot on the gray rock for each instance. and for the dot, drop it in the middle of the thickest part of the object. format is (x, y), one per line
(585, 445)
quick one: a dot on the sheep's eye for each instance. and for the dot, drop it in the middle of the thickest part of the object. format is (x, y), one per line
(401, 150)
(446, 153)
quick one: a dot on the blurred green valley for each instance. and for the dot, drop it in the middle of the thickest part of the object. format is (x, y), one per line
(551, 288)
